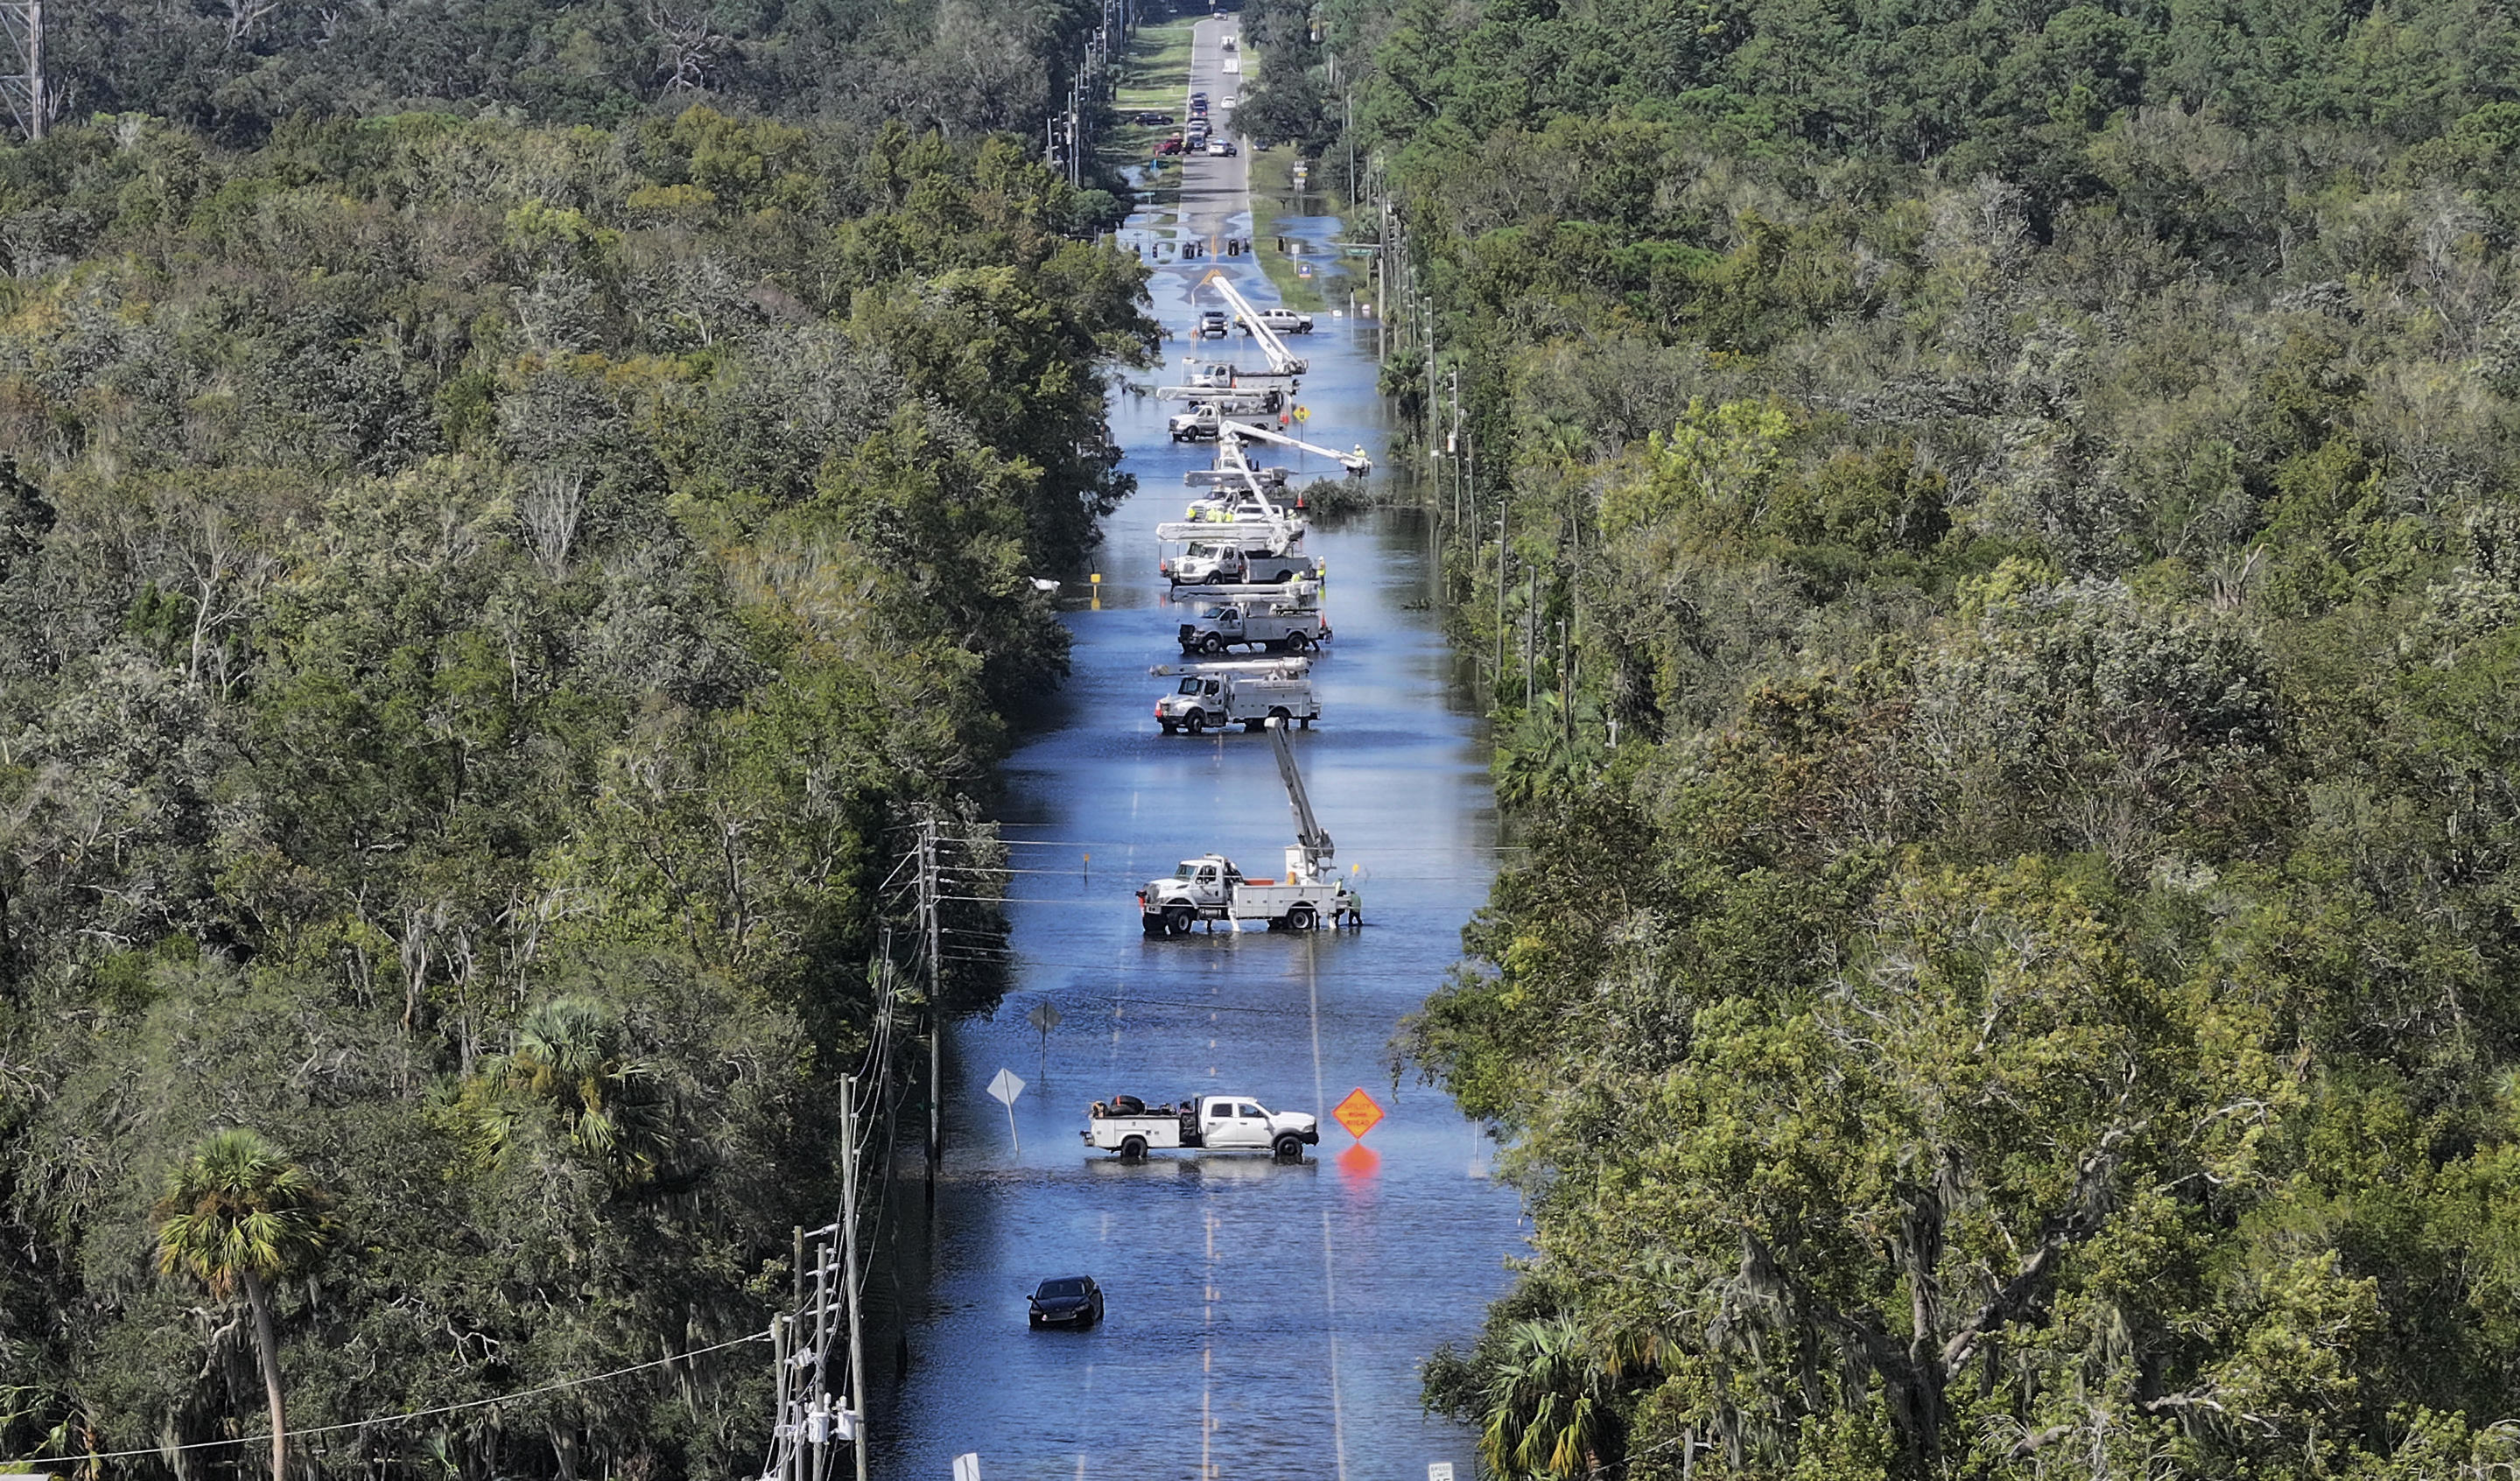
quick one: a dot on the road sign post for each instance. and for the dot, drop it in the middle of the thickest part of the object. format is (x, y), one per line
(1044, 1016)
(1006, 1087)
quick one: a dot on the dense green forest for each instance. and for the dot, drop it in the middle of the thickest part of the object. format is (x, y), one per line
(2006, 668)
(237, 67)
(479, 603)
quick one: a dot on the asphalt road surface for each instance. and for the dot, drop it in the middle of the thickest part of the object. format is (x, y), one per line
(1265, 1320)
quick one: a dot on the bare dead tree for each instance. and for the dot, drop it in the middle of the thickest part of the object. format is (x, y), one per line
(553, 501)
(687, 43)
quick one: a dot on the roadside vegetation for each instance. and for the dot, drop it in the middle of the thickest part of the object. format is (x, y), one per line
(2011, 597)
(480, 602)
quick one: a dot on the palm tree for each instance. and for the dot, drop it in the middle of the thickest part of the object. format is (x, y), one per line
(235, 1216)
(1552, 1401)
(568, 1055)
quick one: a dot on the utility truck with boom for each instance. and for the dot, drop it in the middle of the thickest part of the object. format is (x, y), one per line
(1210, 888)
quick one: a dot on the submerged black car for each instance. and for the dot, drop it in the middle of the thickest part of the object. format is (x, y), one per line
(1068, 1301)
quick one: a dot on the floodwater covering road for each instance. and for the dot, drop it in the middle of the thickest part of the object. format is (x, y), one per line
(1265, 1320)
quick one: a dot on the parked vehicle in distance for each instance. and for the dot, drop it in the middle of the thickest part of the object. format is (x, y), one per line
(1211, 324)
(1171, 146)
(1285, 321)
(1130, 1127)
(1066, 1301)
(1152, 115)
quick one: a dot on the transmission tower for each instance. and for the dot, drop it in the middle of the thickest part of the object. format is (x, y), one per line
(30, 103)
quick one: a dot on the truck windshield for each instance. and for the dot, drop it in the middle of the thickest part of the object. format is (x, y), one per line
(1188, 687)
(1187, 872)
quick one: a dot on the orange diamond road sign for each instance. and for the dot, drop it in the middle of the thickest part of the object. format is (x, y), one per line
(1358, 1113)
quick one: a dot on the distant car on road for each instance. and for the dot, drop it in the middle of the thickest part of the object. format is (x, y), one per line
(1220, 148)
(1211, 324)
(1066, 1301)
(1151, 115)
(1171, 146)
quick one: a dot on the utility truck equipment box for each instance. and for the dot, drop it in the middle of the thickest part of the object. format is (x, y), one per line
(1128, 1126)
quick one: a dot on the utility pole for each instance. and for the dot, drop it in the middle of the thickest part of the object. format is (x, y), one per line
(784, 1444)
(1530, 633)
(927, 891)
(849, 1264)
(1503, 516)
(23, 22)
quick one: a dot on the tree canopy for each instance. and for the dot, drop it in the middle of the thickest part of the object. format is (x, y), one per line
(2009, 581)
(481, 602)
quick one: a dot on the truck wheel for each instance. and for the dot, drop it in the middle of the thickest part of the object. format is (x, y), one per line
(1211, 644)
(1301, 643)
(1300, 919)
(1278, 714)
(1194, 722)
(1177, 920)
(1133, 1148)
(1290, 1148)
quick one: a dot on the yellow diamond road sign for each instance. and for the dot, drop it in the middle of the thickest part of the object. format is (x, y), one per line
(1358, 1113)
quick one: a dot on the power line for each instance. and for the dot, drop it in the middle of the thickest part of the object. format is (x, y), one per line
(426, 1413)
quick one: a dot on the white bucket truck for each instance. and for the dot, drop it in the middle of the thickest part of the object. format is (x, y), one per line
(1251, 692)
(1210, 888)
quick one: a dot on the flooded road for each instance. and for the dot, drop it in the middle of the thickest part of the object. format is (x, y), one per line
(1265, 1320)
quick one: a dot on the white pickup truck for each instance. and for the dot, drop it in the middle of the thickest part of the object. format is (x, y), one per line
(1249, 692)
(1210, 888)
(1205, 1123)
(1285, 321)
(1277, 626)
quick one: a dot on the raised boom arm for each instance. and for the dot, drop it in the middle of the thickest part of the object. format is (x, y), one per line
(1281, 360)
(1355, 463)
(1314, 842)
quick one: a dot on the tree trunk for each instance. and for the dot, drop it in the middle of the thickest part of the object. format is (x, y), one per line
(266, 1345)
